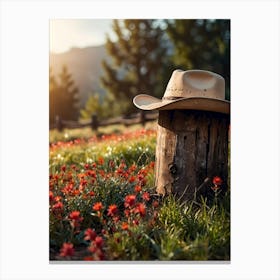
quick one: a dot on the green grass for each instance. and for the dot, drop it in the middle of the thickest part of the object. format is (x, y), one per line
(107, 171)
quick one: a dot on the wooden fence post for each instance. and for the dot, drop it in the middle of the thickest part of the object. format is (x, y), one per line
(142, 117)
(94, 122)
(58, 123)
(192, 148)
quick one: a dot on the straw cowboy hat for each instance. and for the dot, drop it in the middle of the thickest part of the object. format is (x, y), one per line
(192, 89)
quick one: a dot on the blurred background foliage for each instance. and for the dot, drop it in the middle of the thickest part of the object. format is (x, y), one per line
(142, 60)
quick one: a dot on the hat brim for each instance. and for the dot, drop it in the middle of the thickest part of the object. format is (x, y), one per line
(147, 102)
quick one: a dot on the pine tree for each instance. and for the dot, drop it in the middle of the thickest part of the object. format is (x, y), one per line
(139, 59)
(64, 100)
(53, 91)
(69, 95)
(202, 44)
(102, 107)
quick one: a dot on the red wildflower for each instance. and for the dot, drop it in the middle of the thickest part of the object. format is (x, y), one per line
(83, 182)
(127, 212)
(98, 241)
(102, 173)
(91, 193)
(125, 226)
(76, 192)
(81, 176)
(97, 206)
(137, 188)
(112, 164)
(141, 209)
(57, 206)
(67, 250)
(132, 168)
(141, 177)
(119, 171)
(129, 200)
(86, 166)
(75, 215)
(101, 160)
(217, 180)
(75, 219)
(90, 234)
(63, 168)
(112, 210)
(146, 196)
(155, 204)
(68, 189)
(91, 173)
(51, 196)
(57, 198)
(132, 179)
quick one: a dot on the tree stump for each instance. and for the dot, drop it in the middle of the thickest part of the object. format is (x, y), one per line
(192, 148)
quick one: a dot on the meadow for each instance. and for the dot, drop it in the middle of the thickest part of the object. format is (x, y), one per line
(103, 204)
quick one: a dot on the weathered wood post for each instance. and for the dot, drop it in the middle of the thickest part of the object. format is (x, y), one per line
(191, 148)
(58, 123)
(94, 122)
(192, 135)
(143, 118)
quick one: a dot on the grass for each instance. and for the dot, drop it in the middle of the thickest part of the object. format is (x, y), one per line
(103, 205)
(87, 132)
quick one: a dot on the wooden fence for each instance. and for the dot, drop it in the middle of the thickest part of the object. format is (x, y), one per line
(95, 123)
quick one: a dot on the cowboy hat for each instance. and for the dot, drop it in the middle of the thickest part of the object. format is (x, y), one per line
(189, 90)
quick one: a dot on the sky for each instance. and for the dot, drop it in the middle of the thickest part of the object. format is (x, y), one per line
(68, 33)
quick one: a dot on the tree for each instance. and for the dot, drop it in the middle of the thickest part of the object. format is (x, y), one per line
(64, 100)
(202, 44)
(138, 61)
(103, 108)
(68, 94)
(53, 92)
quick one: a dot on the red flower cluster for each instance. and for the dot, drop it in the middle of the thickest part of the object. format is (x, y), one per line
(75, 190)
(67, 250)
(141, 209)
(146, 196)
(90, 234)
(112, 138)
(57, 209)
(96, 245)
(112, 210)
(97, 206)
(129, 200)
(75, 219)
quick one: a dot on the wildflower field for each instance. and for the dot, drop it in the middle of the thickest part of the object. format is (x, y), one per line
(103, 205)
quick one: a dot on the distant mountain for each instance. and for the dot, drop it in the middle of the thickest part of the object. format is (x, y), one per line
(84, 64)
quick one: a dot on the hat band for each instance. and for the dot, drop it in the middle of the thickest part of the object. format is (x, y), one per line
(172, 97)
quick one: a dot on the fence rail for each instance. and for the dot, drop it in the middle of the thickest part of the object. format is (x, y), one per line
(95, 123)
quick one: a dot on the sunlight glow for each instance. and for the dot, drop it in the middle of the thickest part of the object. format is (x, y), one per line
(70, 33)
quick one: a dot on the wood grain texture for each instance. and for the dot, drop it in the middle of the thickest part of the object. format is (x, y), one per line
(192, 146)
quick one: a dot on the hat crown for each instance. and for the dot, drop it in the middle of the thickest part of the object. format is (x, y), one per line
(195, 83)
